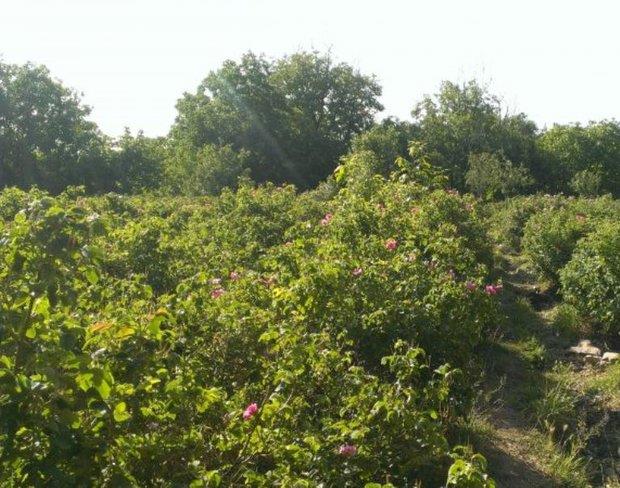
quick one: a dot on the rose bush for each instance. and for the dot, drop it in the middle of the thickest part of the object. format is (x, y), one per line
(591, 279)
(550, 236)
(260, 337)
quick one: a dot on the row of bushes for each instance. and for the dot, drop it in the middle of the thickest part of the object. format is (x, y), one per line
(573, 244)
(260, 337)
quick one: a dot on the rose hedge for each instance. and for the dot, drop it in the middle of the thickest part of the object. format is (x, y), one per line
(591, 279)
(259, 338)
(550, 236)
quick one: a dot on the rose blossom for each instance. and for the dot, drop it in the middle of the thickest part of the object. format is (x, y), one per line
(327, 219)
(391, 244)
(250, 411)
(347, 450)
(218, 292)
(493, 289)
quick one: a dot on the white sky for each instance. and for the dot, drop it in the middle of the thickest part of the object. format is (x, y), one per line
(132, 59)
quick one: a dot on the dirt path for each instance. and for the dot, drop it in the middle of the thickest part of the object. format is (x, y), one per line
(511, 460)
(519, 452)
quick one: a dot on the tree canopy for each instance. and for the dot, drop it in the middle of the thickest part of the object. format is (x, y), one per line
(45, 137)
(577, 157)
(294, 116)
(294, 119)
(466, 119)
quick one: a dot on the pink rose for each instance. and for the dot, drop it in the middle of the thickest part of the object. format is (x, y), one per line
(327, 219)
(234, 276)
(470, 285)
(347, 450)
(357, 272)
(391, 244)
(493, 289)
(250, 411)
(218, 292)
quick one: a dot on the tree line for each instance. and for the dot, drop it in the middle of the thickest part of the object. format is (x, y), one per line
(293, 120)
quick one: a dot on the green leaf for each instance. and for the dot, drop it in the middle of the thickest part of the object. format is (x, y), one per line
(91, 276)
(209, 396)
(269, 336)
(84, 381)
(124, 332)
(120, 412)
(41, 307)
(214, 478)
(104, 389)
(155, 326)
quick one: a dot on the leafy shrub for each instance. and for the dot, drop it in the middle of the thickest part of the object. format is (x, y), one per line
(469, 471)
(206, 171)
(591, 280)
(551, 235)
(12, 200)
(491, 176)
(507, 218)
(258, 337)
(588, 183)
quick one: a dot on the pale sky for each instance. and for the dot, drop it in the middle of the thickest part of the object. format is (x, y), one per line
(557, 61)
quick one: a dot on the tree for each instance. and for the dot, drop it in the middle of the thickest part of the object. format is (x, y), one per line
(204, 171)
(388, 141)
(492, 176)
(45, 138)
(465, 119)
(138, 162)
(295, 117)
(585, 159)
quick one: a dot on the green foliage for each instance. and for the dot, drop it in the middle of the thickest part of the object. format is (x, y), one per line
(507, 219)
(468, 471)
(13, 200)
(463, 120)
(582, 157)
(291, 120)
(294, 116)
(567, 321)
(551, 235)
(138, 163)
(492, 176)
(45, 137)
(588, 182)
(364, 171)
(134, 331)
(387, 142)
(556, 410)
(591, 280)
(204, 171)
